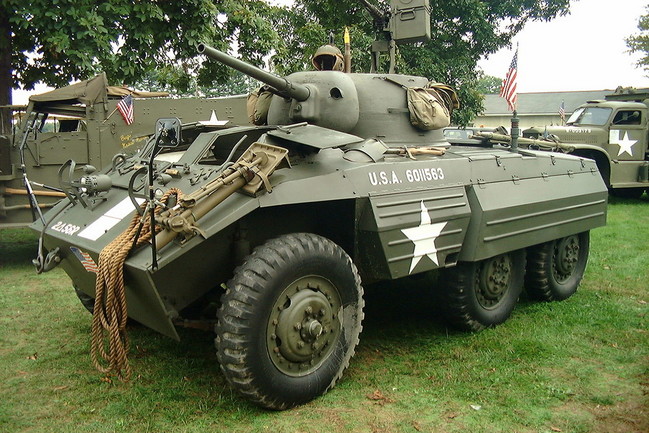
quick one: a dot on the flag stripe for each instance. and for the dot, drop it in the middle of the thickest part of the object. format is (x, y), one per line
(125, 108)
(508, 89)
(85, 259)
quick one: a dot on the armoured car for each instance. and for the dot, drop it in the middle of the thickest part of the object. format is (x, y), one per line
(270, 232)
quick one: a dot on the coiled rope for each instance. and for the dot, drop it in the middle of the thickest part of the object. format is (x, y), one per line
(109, 345)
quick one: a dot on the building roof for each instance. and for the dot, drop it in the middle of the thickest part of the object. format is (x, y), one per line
(541, 103)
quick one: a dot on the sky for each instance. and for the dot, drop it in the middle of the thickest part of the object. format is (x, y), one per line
(585, 50)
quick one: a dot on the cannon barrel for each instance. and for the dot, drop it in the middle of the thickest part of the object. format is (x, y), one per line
(281, 84)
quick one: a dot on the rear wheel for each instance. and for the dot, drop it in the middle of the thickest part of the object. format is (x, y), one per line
(290, 320)
(480, 294)
(555, 269)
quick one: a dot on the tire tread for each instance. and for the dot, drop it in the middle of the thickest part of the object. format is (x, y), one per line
(244, 291)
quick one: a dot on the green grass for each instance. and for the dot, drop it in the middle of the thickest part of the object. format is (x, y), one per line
(575, 366)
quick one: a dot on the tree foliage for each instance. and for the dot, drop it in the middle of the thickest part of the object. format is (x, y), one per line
(462, 32)
(639, 43)
(488, 84)
(56, 41)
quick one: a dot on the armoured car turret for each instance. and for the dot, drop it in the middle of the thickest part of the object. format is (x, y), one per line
(365, 105)
(284, 223)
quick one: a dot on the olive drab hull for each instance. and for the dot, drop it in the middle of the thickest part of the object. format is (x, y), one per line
(402, 216)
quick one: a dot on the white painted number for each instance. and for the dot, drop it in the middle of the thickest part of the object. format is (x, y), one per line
(68, 229)
(424, 174)
(413, 175)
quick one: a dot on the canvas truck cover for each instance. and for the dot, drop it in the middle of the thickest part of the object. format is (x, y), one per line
(90, 92)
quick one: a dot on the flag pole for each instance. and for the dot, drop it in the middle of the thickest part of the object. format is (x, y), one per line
(515, 131)
(110, 115)
(509, 92)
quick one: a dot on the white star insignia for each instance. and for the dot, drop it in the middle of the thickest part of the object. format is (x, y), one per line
(424, 236)
(214, 121)
(626, 145)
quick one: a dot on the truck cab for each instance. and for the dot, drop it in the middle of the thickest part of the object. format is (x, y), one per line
(614, 134)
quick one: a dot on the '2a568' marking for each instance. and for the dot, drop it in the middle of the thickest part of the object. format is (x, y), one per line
(65, 228)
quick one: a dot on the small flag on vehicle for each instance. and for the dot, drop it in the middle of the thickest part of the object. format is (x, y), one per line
(562, 113)
(85, 259)
(125, 108)
(508, 89)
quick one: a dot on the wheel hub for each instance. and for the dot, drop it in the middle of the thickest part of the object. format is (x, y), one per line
(493, 280)
(566, 255)
(304, 325)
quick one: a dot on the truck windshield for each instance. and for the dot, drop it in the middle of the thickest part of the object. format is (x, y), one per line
(590, 116)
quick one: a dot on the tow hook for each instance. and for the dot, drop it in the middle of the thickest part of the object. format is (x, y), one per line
(50, 262)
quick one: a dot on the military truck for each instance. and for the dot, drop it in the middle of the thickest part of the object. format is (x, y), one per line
(81, 122)
(614, 132)
(266, 234)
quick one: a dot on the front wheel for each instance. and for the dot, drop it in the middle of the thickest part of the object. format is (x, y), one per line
(480, 294)
(555, 268)
(290, 320)
(87, 301)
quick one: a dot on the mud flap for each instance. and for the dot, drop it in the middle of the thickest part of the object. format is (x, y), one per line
(146, 306)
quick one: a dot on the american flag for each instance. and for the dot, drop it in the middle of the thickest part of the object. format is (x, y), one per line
(85, 259)
(125, 107)
(562, 112)
(508, 89)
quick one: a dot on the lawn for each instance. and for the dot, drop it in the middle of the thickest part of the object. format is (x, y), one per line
(581, 365)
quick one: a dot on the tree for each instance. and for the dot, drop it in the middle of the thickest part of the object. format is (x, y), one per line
(639, 43)
(488, 84)
(462, 32)
(57, 41)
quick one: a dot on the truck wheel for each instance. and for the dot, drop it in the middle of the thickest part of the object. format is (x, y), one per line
(290, 320)
(87, 301)
(480, 294)
(555, 269)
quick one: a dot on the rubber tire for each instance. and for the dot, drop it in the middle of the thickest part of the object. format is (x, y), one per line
(459, 295)
(244, 316)
(87, 301)
(540, 281)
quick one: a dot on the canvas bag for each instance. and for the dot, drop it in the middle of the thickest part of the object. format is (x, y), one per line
(447, 93)
(257, 105)
(430, 107)
(427, 109)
